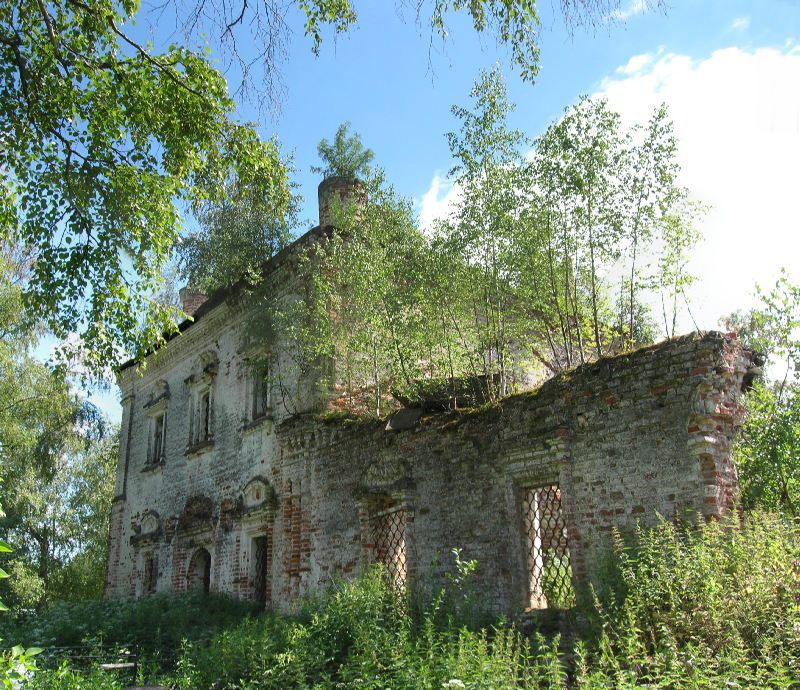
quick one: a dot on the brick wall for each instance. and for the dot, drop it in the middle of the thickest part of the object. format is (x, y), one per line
(624, 439)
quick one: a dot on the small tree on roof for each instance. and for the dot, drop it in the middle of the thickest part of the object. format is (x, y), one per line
(345, 157)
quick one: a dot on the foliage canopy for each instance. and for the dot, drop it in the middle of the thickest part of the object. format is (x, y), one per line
(108, 142)
(550, 257)
(345, 156)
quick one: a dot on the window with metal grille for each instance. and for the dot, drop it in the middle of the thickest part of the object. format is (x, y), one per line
(388, 532)
(549, 568)
(260, 566)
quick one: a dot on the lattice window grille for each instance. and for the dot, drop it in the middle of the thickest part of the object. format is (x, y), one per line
(549, 567)
(389, 540)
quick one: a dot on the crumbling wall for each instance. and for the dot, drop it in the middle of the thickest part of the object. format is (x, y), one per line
(284, 505)
(625, 439)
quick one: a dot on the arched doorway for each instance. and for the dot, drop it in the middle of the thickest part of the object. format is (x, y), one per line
(198, 577)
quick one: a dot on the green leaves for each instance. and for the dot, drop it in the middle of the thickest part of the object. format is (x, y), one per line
(345, 157)
(520, 281)
(108, 140)
(515, 23)
(768, 447)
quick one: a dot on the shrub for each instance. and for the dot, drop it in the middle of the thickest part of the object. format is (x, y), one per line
(703, 605)
(708, 606)
(157, 624)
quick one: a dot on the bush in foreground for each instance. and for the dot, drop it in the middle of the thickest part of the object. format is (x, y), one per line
(708, 607)
(156, 624)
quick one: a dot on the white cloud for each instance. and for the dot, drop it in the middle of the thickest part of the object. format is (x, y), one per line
(630, 10)
(636, 64)
(740, 24)
(437, 202)
(737, 118)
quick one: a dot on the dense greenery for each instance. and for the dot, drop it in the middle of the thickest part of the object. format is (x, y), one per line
(58, 461)
(108, 141)
(683, 606)
(156, 624)
(345, 156)
(236, 236)
(553, 256)
(767, 448)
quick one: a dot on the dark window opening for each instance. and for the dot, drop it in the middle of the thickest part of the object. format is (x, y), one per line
(388, 536)
(198, 577)
(159, 427)
(150, 575)
(205, 416)
(260, 565)
(259, 393)
(548, 560)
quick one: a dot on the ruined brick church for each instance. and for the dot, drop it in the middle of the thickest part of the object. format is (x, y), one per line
(222, 487)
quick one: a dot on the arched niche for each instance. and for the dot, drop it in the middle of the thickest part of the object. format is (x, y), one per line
(150, 523)
(257, 493)
(198, 574)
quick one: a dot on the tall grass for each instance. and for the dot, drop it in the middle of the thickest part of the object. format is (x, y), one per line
(714, 606)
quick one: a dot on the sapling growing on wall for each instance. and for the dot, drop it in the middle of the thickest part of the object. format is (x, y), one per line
(345, 157)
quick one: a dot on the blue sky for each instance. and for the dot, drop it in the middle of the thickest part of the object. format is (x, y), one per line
(728, 69)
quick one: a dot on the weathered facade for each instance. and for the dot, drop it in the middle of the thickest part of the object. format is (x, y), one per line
(222, 488)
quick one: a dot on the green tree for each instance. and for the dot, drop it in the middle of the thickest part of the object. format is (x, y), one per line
(105, 141)
(481, 235)
(58, 524)
(345, 156)
(363, 305)
(109, 141)
(520, 276)
(237, 235)
(768, 448)
(45, 427)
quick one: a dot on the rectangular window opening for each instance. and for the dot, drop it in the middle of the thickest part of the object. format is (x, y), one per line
(150, 578)
(157, 454)
(205, 416)
(259, 393)
(388, 533)
(548, 560)
(260, 569)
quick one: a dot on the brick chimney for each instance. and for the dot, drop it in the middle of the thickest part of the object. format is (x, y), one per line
(191, 299)
(343, 189)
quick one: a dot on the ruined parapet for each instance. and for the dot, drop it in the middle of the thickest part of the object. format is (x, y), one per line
(619, 442)
(191, 300)
(716, 415)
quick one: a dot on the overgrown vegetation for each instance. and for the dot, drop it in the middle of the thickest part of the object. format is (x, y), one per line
(767, 448)
(112, 138)
(157, 624)
(550, 257)
(58, 460)
(708, 606)
(345, 156)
